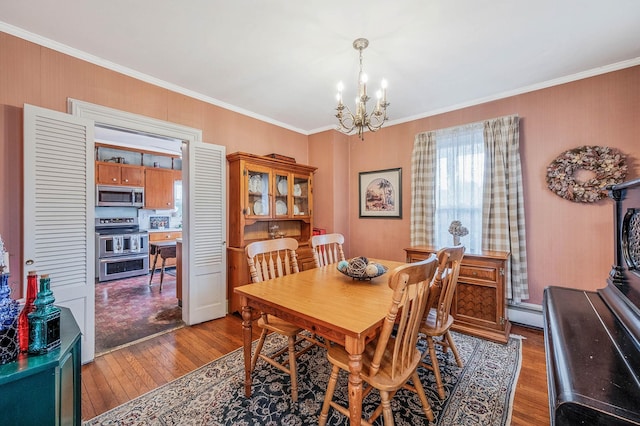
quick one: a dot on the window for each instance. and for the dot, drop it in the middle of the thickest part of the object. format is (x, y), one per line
(459, 182)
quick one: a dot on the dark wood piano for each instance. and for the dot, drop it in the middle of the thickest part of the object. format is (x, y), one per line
(592, 339)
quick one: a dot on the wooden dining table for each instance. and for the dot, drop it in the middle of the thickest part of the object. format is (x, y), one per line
(328, 303)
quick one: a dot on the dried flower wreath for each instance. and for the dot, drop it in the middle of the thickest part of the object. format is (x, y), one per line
(608, 165)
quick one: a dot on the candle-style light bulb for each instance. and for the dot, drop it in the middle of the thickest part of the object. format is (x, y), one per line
(339, 95)
(363, 84)
(383, 84)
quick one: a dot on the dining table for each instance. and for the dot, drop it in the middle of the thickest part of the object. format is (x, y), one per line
(328, 303)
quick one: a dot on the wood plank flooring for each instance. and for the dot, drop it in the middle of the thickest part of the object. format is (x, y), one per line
(122, 375)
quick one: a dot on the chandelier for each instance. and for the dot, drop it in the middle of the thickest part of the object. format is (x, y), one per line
(362, 119)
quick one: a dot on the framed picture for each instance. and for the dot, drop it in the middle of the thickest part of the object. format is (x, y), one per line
(381, 193)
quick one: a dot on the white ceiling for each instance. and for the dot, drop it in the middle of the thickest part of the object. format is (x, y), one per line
(280, 60)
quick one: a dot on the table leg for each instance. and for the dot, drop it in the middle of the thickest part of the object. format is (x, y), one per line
(164, 261)
(355, 349)
(153, 267)
(246, 333)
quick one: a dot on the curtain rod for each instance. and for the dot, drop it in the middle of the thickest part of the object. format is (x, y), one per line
(468, 124)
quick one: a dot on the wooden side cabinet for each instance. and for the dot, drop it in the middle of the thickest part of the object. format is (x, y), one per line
(479, 304)
(45, 389)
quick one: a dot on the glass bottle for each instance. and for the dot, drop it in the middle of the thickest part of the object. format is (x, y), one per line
(44, 321)
(23, 322)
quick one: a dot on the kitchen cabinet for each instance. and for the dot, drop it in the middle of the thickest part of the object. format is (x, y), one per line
(268, 198)
(45, 389)
(479, 304)
(158, 188)
(164, 236)
(119, 174)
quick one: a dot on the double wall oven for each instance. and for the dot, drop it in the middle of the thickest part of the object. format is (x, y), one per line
(122, 249)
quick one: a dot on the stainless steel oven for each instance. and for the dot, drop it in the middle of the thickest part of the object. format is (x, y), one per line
(122, 250)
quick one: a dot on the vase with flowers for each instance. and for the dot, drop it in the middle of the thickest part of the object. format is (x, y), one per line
(457, 230)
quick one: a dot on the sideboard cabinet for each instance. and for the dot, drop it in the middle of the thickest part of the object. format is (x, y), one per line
(268, 198)
(44, 389)
(479, 304)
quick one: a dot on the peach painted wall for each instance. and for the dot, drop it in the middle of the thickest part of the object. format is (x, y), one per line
(568, 244)
(36, 75)
(329, 151)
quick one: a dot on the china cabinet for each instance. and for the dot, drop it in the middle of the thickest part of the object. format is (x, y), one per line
(479, 304)
(268, 198)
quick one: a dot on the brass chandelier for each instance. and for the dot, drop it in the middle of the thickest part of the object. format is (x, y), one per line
(362, 119)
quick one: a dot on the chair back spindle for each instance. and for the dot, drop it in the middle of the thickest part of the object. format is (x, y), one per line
(272, 258)
(327, 249)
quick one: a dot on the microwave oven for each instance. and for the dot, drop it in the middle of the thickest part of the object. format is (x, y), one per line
(119, 196)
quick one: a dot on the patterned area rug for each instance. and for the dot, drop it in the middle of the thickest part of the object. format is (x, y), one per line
(480, 393)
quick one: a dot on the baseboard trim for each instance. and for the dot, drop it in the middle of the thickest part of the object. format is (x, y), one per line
(527, 314)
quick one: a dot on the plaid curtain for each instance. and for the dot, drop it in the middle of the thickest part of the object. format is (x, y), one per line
(503, 225)
(423, 194)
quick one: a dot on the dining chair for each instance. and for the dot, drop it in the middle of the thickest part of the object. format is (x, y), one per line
(435, 328)
(327, 249)
(390, 360)
(270, 259)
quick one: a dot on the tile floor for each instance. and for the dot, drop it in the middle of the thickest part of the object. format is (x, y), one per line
(128, 310)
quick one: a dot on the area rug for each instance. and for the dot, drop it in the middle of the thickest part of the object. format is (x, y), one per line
(129, 310)
(480, 393)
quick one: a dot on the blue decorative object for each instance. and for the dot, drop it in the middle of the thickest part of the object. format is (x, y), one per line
(44, 322)
(9, 312)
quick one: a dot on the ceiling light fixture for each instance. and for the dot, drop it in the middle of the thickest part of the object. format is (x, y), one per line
(362, 120)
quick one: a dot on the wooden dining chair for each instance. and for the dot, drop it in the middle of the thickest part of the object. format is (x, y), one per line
(270, 259)
(438, 319)
(327, 249)
(391, 360)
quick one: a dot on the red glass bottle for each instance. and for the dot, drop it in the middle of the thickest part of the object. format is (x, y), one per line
(23, 321)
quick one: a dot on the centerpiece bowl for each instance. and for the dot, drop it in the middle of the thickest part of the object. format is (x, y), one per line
(360, 268)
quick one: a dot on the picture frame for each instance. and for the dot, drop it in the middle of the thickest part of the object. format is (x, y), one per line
(380, 193)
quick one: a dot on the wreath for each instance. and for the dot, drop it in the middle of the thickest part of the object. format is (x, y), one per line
(608, 165)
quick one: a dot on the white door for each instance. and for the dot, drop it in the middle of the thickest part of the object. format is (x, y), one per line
(59, 210)
(204, 228)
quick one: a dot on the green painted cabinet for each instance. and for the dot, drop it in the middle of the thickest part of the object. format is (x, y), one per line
(44, 389)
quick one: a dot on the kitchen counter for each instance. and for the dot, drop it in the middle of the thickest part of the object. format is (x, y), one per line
(165, 230)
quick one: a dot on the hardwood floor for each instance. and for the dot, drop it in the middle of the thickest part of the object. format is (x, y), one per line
(122, 375)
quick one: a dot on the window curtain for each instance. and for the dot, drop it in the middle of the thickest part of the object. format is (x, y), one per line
(423, 194)
(503, 224)
(503, 220)
(459, 183)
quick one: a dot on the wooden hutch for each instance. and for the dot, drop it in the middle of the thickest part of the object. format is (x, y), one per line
(268, 198)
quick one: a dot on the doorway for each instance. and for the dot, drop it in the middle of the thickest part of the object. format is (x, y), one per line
(135, 298)
(204, 269)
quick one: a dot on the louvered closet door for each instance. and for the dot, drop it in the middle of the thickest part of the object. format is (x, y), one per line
(204, 228)
(59, 209)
